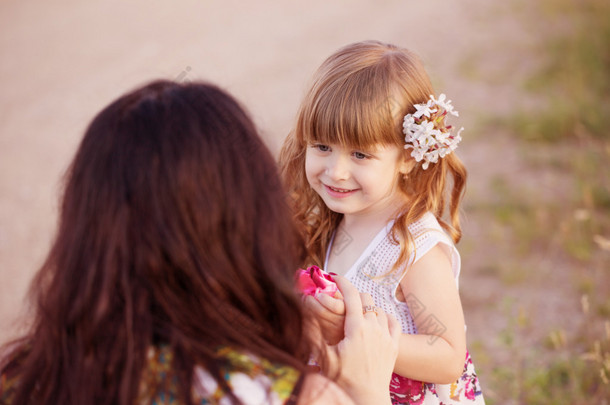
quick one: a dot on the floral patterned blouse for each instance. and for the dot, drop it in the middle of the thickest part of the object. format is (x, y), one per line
(254, 381)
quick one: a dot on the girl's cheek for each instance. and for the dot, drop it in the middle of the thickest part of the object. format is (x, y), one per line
(310, 180)
(309, 170)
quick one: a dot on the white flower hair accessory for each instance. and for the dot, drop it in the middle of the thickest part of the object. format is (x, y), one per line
(426, 133)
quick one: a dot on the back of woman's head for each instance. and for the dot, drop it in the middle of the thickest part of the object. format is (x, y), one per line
(358, 98)
(173, 230)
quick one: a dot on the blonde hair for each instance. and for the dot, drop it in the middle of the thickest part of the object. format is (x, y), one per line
(358, 99)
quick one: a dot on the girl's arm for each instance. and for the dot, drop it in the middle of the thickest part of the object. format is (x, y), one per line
(437, 352)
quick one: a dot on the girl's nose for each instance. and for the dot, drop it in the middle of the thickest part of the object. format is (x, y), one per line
(337, 168)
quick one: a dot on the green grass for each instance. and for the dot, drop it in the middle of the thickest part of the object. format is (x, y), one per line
(567, 136)
(559, 371)
(574, 77)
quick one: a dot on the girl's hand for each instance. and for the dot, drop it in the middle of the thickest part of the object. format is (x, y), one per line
(330, 314)
(364, 359)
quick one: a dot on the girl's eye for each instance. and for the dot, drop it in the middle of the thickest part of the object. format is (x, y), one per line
(360, 155)
(322, 148)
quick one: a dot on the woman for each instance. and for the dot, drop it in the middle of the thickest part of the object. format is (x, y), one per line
(170, 278)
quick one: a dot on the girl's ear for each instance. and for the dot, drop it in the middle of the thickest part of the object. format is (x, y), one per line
(407, 163)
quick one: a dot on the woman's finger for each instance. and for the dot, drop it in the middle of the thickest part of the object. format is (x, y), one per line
(382, 318)
(369, 349)
(313, 305)
(332, 304)
(366, 299)
(353, 304)
(368, 305)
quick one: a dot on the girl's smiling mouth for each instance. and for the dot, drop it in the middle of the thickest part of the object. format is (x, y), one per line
(338, 192)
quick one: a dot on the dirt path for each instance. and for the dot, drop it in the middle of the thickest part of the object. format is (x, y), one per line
(61, 63)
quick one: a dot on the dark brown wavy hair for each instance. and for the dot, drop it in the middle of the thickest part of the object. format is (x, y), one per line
(174, 229)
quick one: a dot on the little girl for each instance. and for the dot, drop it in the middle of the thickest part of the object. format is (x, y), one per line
(371, 173)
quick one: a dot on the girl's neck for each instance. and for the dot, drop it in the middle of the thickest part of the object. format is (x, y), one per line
(353, 235)
(371, 221)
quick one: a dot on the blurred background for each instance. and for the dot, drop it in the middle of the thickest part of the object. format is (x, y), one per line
(531, 81)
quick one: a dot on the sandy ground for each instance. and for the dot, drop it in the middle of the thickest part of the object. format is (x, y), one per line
(62, 61)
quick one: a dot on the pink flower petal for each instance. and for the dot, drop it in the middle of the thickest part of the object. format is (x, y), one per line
(314, 281)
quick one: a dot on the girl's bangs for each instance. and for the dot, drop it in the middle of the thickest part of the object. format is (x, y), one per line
(353, 121)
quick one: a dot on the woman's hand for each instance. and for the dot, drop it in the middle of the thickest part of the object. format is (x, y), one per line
(364, 359)
(330, 314)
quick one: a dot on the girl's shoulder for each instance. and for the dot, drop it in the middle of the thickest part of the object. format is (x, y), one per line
(427, 231)
(427, 223)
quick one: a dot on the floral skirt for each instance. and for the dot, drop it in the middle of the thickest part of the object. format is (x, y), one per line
(465, 390)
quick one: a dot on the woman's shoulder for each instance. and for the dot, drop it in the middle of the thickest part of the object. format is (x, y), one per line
(12, 357)
(252, 378)
(8, 385)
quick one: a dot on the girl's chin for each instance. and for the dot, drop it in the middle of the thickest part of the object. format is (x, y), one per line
(337, 207)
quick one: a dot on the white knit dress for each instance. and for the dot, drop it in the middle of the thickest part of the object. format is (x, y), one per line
(370, 274)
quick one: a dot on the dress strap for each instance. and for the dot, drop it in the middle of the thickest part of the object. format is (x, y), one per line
(296, 391)
(330, 245)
